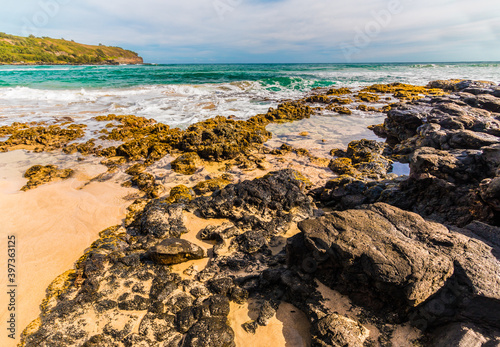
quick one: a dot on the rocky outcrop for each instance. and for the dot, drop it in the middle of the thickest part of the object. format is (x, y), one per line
(376, 253)
(397, 264)
(161, 219)
(451, 145)
(123, 292)
(175, 251)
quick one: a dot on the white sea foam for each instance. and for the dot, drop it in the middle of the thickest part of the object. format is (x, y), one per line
(176, 105)
(183, 104)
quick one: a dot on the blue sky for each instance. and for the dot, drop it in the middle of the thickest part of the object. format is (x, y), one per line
(273, 31)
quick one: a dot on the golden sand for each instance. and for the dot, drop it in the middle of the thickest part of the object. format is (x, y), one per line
(288, 328)
(53, 225)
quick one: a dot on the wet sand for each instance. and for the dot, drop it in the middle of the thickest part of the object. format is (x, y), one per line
(324, 132)
(53, 225)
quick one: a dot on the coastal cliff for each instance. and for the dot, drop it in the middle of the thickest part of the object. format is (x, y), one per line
(45, 50)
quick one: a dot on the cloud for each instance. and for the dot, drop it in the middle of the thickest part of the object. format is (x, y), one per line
(265, 31)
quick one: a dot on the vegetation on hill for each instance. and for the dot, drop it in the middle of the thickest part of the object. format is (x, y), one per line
(45, 50)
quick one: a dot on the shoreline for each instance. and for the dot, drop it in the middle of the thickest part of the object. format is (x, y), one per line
(258, 163)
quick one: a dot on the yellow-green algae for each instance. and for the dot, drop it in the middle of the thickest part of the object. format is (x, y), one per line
(38, 138)
(187, 163)
(339, 109)
(368, 97)
(180, 194)
(339, 91)
(39, 174)
(213, 184)
(403, 91)
(342, 101)
(343, 166)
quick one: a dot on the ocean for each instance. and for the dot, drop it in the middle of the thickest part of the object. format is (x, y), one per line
(179, 95)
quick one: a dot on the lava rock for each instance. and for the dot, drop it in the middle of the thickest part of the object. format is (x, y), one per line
(174, 251)
(161, 219)
(377, 254)
(210, 332)
(337, 330)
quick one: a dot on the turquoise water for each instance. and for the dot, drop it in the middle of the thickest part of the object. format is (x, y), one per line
(181, 94)
(272, 76)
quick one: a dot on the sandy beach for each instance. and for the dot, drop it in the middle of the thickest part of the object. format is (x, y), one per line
(53, 225)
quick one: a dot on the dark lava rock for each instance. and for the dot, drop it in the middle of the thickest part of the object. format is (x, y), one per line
(463, 334)
(138, 303)
(375, 253)
(253, 203)
(363, 158)
(219, 305)
(161, 219)
(461, 166)
(337, 330)
(221, 286)
(394, 261)
(210, 332)
(251, 241)
(175, 251)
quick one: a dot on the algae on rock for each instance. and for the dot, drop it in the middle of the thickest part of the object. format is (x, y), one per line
(38, 175)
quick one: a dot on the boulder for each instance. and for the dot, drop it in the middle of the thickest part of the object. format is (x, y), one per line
(187, 163)
(485, 101)
(396, 262)
(210, 332)
(161, 219)
(377, 254)
(463, 166)
(175, 251)
(266, 205)
(337, 330)
(463, 335)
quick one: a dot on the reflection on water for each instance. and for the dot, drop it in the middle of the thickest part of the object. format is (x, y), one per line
(401, 169)
(324, 133)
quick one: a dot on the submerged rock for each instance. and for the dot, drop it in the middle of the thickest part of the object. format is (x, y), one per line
(175, 251)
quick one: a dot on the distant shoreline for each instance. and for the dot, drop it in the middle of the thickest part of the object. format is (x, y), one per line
(68, 64)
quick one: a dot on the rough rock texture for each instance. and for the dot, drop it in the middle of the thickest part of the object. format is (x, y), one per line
(186, 164)
(378, 249)
(268, 204)
(463, 335)
(122, 294)
(161, 219)
(395, 262)
(363, 158)
(452, 146)
(336, 330)
(38, 175)
(175, 251)
(366, 270)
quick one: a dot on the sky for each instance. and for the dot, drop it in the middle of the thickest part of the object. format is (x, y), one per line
(272, 31)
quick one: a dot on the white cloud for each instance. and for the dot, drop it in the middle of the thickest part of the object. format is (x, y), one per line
(311, 30)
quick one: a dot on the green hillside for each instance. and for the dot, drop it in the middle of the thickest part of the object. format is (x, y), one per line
(45, 50)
